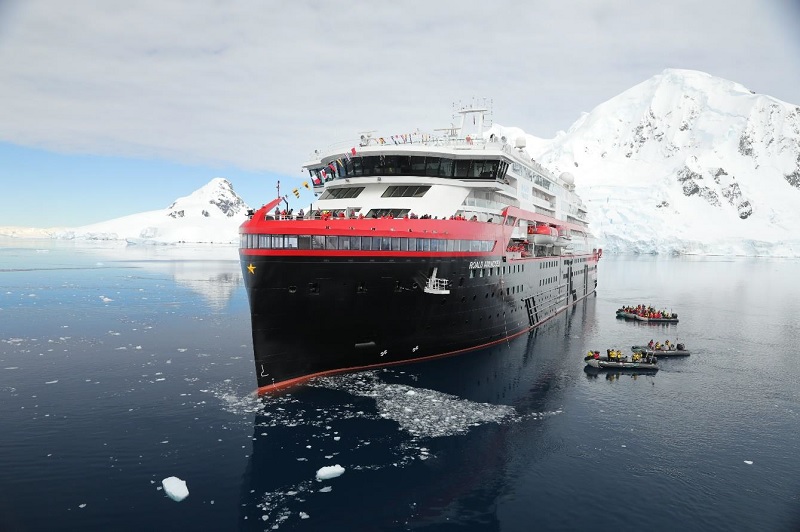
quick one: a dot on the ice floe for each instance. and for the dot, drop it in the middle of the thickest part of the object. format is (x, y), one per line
(419, 411)
(175, 488)
(328, 472)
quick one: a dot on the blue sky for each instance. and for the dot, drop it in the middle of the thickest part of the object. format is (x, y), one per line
(50, 189)
(116, 107)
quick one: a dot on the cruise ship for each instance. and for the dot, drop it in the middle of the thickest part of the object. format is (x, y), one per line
(417, 246)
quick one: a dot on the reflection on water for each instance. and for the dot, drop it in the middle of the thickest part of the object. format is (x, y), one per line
(215, 281)
(427, 436)
(121, 367)
(212, 271)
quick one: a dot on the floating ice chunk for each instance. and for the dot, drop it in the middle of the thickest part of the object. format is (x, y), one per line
(304, 515)
(326, 489)
(748, 462)
(51, 382)
(175, 488)
(327, 472)
(105, 299)
(82, 505)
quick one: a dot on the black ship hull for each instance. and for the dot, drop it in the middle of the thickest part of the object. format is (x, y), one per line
(317, 315)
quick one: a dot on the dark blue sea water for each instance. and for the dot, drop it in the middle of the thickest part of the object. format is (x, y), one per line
(121, 366)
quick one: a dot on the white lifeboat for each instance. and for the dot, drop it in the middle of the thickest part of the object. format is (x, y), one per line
(564, 237)
(543, 234)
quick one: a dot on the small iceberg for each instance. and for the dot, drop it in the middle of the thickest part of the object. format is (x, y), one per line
(324, 473)
(175, 488)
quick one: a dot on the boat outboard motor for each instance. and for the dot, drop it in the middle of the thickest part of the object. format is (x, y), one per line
(680, 347)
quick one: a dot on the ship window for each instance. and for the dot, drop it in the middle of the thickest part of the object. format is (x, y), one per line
(386, 243)
(277, 241)
(317, 241)
(412, 244)
(331, 242)
(426, 244)
(366, 243)
(342, 192)
(434, 244)
(417, 165)
(474, 245)
(432, 166)
(403, 244)
(357, 170)
(446, 168)
(451, 245)
(368, 165)
(344, 242)
(405, 192)
(355, 242)
(376, 243)
(380, 213)
(476, 169)
(304, 242)
(263, 241)
(291, 241)
(489, 169)
(402, 163)
(462, 167)
(395, 243)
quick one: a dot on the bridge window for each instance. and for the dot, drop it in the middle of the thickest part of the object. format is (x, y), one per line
(432, 166)
(342, 192)
(405, 191)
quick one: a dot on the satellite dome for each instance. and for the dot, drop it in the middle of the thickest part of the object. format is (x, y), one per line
(568, 178)
(520, 142)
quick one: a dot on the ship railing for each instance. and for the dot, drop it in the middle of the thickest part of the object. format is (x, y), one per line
(436, 285)
(280, 217)
(427, 141)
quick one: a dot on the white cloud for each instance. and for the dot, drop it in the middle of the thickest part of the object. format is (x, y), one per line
(259, 85)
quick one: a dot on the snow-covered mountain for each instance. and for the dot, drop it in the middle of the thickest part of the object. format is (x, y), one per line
(682, 163)
(211, 214)
(685, 163)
